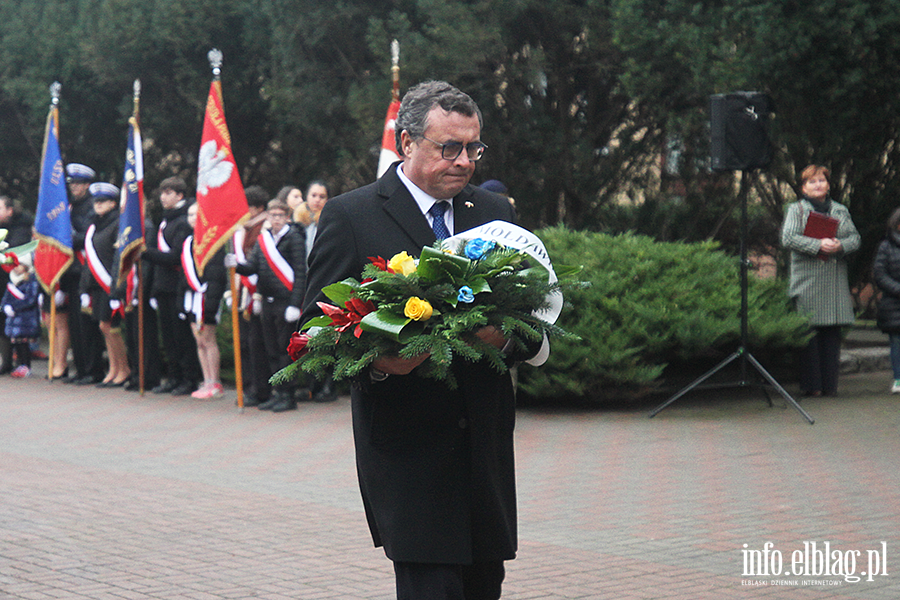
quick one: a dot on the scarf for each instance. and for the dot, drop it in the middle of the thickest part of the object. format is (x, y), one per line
(823, 207)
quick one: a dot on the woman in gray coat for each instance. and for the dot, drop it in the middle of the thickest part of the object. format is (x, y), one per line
(818, 282)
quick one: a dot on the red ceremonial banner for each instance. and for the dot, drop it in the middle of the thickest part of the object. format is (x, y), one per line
(388, 140)
(50, 262)
(222, 205)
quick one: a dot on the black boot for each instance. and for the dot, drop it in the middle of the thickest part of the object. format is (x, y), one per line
(325, 391)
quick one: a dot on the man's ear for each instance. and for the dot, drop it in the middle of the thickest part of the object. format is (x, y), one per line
(405, 143)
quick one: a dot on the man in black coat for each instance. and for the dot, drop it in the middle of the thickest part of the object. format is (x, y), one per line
(435, 465)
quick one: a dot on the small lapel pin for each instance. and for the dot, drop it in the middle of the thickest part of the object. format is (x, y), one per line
(469, 205)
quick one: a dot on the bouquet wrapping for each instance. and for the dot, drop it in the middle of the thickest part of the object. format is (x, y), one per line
(496, 275)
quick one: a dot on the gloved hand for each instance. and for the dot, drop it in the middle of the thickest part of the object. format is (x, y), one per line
(114, 305)
(257, 304)
(154, 303)
(9, 311)
(231, 261)
(291, 314)
(59, 297)
(227, 298)
(85, 300)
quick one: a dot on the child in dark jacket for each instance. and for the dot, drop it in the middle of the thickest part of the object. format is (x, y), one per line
(21, 305)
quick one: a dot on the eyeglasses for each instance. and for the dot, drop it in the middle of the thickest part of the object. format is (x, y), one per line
(452, 150)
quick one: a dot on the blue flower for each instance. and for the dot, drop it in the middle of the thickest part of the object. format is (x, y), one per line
(477, 249)
(466, 295)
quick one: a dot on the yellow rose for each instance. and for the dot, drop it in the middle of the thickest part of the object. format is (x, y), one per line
(418, 309)
(402, 263)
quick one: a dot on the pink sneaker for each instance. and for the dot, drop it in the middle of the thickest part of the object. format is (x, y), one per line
(20, 372)
(208, 391)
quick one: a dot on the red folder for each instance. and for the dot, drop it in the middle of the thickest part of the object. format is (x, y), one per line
(820, 226)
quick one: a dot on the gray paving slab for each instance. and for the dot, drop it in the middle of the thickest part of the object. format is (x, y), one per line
(109, 495)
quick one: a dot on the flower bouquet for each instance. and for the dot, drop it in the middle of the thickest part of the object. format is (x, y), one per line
(434, 306)
(9, 259)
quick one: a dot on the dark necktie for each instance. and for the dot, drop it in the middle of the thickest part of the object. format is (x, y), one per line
(437, 224)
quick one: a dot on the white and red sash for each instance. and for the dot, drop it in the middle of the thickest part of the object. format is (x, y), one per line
(161, 242)
(101, 275)
(279, 265)
(195, 298)
(248, 281)
(131, 296)
(190, 268)
(14, 291)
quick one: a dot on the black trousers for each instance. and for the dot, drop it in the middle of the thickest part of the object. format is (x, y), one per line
(253, 358)
(86, 341)
(151, 345)
(23, 353)
(276, 337)
(820, 361)
(5, 347)
(182, 362)
(479, 581)
(85, 338)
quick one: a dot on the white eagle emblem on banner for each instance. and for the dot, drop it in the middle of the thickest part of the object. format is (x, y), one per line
(213, 170)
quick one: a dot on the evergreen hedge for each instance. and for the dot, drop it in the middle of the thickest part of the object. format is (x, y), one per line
(647, 304)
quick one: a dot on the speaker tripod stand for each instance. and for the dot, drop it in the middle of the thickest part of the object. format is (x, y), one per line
(741, 354)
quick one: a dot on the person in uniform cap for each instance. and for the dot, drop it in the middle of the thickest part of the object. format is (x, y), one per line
(498, 187)
(78, 173)
(98, 281)
(72, 325)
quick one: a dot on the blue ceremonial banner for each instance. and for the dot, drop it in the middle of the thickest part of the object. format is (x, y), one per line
(130, 242)
(52, 224)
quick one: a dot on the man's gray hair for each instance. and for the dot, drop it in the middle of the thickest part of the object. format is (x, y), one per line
(421, 98)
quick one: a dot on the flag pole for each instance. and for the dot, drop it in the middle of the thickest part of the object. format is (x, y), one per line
(55, 89)
(215, 62)
(236, 334)
(389, 154)
(395, 70)
(140, 271)
(52, 333)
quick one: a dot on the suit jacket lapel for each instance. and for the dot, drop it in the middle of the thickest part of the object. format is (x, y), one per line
(399, 204)
(465, 214)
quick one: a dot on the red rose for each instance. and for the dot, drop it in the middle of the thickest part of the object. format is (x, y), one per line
(359, 309)
(10, 261)
(297, 348)
(381, 263)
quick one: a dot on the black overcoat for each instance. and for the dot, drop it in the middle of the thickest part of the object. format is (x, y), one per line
(435, 465)
(886, 270)
(167, 271)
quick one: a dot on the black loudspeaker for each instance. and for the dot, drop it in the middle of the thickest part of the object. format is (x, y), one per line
(740, 138)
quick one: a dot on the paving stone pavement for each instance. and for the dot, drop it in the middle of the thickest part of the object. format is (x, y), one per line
(109, 495)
